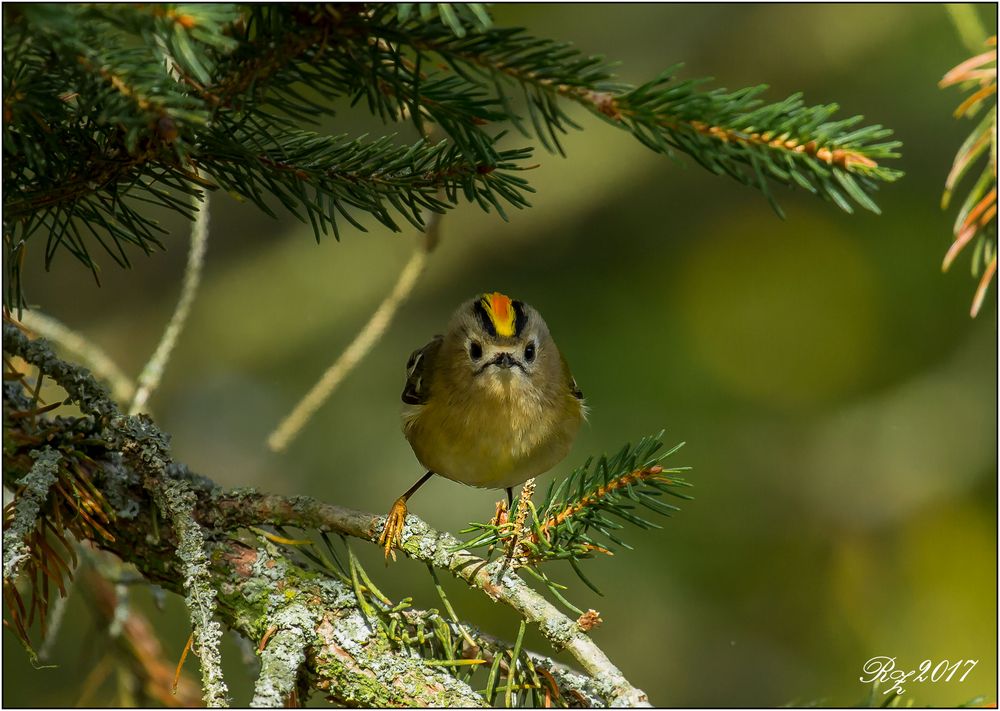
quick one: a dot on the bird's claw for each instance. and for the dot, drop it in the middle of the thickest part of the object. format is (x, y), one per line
(392, 533)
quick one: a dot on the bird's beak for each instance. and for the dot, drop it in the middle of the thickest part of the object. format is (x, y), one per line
(505, 360)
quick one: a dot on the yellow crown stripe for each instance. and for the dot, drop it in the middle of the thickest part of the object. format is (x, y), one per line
(500, 309)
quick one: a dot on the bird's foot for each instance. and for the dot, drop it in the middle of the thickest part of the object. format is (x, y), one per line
(392, 533)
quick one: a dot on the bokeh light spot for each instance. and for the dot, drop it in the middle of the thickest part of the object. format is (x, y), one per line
(780, 312)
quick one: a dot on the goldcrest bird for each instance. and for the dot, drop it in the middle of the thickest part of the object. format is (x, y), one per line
(492, 403)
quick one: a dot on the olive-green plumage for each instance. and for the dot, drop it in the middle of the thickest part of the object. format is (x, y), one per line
(491, 403)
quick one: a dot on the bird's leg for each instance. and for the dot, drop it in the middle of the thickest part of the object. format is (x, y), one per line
(392, 533)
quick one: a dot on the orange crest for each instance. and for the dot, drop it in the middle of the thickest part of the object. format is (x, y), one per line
(501, 312)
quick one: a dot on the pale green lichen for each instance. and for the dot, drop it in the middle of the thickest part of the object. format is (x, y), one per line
(147, 448)
(37, 482)
(176, 500)
(283, 656)
(559, 631)
(117, 480)
(397, 678)
(356, 665)
(570, 681)
(80, 386)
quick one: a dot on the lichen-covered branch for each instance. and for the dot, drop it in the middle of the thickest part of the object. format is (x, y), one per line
(176, 499)
(442, 550)
(36, 483)
(309, 626)
(103, 366)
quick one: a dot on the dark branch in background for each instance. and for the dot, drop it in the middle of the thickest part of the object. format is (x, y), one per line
(109, 109)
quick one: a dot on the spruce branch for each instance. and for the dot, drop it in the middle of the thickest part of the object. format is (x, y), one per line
(107, 110)
(180, 556)
(325, 176)
(163, 104)
(236, 508)
(333, 51)
(593, 493)
(732, 133)
(460, 18)
(600, 497)
(977, 217)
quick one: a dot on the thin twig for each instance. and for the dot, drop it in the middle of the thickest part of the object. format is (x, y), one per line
(362, 344)
(149, 379)
(88, 352)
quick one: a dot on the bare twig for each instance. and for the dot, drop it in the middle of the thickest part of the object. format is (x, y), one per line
(362, 344)
(149, 379)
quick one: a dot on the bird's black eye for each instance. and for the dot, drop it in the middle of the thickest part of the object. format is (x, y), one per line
(475, 351)
(529, 352)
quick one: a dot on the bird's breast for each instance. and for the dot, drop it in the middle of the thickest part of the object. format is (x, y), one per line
(495, 441)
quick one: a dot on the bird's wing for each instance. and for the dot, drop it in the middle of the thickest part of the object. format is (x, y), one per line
(573, 387)
(417, 368)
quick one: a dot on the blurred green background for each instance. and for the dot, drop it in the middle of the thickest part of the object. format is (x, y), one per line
(838, 404)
